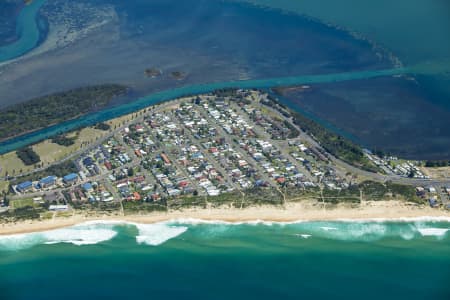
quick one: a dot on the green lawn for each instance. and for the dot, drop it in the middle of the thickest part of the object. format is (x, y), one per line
(21, 203)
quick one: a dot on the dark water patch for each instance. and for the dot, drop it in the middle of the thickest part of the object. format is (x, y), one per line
(9, 10)
(210, 41)
(393, 114)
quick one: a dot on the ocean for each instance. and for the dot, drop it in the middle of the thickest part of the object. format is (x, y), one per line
(191, 259)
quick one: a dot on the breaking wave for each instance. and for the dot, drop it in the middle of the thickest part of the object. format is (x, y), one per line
(95, 232)
(345, 230)
(78, 235)
(91, 233)
(157, 234)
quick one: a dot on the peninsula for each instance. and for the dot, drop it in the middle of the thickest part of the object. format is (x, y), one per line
(236, 150)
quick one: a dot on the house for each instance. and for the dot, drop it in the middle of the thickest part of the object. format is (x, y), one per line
(24, 186)
(70, 178)
(165, 158)
(137, 196)
(108, 165)
(88, 162)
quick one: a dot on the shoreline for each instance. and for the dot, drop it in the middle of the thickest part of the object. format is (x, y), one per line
(370, 211)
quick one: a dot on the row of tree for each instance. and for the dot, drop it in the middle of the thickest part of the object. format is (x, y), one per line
(28, 156)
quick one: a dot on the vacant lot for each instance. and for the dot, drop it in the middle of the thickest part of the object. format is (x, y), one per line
(438, 173)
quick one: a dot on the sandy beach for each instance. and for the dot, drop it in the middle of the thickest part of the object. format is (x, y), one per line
(304, 211)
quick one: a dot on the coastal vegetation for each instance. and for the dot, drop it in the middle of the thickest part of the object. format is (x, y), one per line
(56, 108)
(102, 126)
(372, 191)
(364, 191)
(333, 143)
(63, 140)
(21, 214)
(437, 163)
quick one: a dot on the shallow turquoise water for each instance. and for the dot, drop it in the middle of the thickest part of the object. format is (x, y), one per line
(189, 260)
(27, 30)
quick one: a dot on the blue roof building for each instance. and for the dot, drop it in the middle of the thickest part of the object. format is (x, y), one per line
(70, 178)
(87, 187)
(88, 161)
(47, 181)
(24, 186)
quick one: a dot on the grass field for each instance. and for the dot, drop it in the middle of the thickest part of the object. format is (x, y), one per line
(51, 152)
(10, 163)
(4, 186)
(21, 203)
(440, 173)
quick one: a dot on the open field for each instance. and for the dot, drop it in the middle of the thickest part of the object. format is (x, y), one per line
(438, 173)
(4, 186)
(21, 203)
(51, 152)
(11, 164)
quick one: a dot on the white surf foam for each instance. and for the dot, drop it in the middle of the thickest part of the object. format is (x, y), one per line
(157, 234)
(193, 221)
(150, 234)
(326, 228)
(79, 237)
(433, 231)
(305, 236)
(76, 235)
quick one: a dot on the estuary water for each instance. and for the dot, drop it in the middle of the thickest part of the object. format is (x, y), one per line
(116, 111)
(215, 43)
(191, 259)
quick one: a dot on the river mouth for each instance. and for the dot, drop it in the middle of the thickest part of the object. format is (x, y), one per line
(206, 41)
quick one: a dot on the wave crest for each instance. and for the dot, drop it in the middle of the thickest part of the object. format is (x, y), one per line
(157, 234)
(77, 235)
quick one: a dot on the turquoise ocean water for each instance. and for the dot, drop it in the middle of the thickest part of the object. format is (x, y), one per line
(194, 260)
